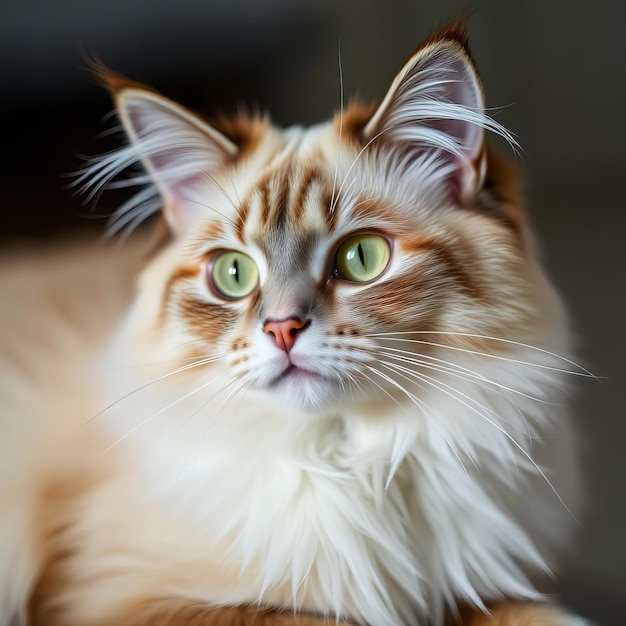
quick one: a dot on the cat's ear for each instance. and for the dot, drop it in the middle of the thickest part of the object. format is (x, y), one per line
(435, 104)
(178, 150)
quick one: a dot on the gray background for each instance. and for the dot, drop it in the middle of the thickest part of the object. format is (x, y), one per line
(554, 70)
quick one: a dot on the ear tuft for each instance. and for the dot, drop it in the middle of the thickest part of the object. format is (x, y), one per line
(453, 31)
(111, 80)
(178, 150)
(435, 106)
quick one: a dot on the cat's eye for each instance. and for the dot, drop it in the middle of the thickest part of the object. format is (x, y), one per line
(362, 258)
(233, 274)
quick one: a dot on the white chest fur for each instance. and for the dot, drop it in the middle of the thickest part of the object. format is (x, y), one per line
(305, 513)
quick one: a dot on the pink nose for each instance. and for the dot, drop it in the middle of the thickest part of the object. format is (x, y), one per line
(285, 332)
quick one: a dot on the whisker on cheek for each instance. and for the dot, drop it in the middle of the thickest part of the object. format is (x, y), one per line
(151, 417)
(455, 370)
(397, 456)
(482, 382)
(215, 414)
(197, 363)
(579, 370)
(483, 412)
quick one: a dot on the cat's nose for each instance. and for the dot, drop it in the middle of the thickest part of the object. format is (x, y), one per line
(285, 332)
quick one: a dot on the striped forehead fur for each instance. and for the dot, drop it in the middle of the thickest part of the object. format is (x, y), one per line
(247, 133)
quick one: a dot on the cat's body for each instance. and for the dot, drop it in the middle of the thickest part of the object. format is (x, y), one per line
(373, 442)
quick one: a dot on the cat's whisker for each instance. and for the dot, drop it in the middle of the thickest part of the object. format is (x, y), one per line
(198, 440)
(484, 383)
(161, 411)
(203, 405)
(528, 432)
(210, 208)
(356, 384)
(442, 365)
(498, 357)
(346, 193)
(434, 421)
(332, 199)
(186, 343)
(441, 387)
(354, 162)
(202, 359)
(242, 386)
(214, 180)
(457, 371)
(353, 386)
(185, 368)
(379, 386)
(232, 183)
(395, 336)
(429, 379)
(426, 411)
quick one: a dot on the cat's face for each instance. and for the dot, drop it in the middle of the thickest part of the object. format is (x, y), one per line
(317, 300)
(338, 264)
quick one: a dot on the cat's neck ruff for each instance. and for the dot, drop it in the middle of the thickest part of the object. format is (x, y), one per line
(378, 513)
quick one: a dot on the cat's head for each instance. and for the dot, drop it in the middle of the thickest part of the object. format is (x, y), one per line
(344, 263)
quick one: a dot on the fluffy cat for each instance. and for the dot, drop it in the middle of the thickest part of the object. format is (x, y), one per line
(336, 395)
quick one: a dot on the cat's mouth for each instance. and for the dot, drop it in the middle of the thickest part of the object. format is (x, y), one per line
(302, 387)
(296, 373)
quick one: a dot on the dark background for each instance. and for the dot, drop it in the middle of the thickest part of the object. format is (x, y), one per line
(554, 70)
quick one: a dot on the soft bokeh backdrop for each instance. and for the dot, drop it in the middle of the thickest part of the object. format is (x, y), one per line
(554, 73)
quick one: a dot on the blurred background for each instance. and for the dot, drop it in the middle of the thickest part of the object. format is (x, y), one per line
(554, 72)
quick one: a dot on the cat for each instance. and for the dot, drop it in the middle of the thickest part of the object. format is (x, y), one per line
(336, 394)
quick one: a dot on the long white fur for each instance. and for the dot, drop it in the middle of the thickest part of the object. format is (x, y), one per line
(324, 520)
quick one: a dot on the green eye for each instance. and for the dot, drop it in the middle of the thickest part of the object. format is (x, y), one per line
(234, 275)
(362, 258)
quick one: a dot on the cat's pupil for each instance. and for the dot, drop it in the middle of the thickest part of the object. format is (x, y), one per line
(361, 255)
(234, 270)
